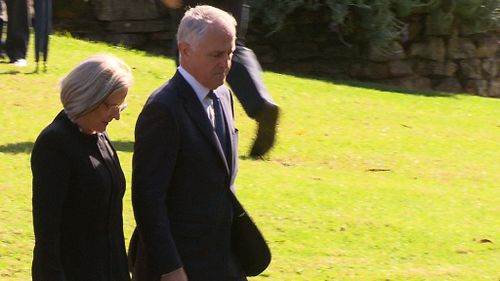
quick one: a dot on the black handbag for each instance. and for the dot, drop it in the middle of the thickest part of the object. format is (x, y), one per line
(248, 243)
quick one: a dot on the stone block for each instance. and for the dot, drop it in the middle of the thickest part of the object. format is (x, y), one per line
(433, 68)
(370, 70)
(116, 10)
(400, 68)
(403, 82)
(339, 51)
(487, 47)
(81, 26)
(70, 9)
(449, 84)
(490, 68)
(434, 49)
(332, 69)
(394, 51)
(477, 86)
(302, 67)
(461, 48)
(131, 40)
(471, 68)
(494, 88)
(162, 35)
(410, 82)
(422, 83)
(137, 26)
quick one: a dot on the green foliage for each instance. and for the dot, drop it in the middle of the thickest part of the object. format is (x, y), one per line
(273, 13)
(377, 22)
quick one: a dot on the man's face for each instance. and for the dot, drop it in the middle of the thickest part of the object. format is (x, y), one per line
(210, 60)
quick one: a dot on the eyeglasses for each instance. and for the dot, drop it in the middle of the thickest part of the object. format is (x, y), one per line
(113, 108)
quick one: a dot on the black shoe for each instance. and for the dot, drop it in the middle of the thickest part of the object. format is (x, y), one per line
(267, 120)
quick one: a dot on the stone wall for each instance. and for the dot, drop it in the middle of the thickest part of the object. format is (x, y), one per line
(451, 62)
(448, 60)
(142, 24)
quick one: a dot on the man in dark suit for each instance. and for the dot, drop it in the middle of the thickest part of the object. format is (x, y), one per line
(185, 162)
(244, 78)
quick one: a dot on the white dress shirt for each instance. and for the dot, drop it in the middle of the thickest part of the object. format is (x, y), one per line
(201, 92)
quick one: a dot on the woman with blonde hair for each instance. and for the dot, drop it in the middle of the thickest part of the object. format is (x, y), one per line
(78, 183)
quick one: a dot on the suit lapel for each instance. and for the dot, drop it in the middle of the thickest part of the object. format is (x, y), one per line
(195, 110)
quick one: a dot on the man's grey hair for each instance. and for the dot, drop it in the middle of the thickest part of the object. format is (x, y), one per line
(91, 82)
(196, 21)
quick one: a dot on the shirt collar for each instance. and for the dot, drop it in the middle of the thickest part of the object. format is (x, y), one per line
(200, 90)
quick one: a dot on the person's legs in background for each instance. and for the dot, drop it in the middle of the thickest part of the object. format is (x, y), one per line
(245, 80)
(2, 55)
(16, 45)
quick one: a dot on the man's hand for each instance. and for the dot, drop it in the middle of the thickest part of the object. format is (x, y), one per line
(172, 4)
(176, 275)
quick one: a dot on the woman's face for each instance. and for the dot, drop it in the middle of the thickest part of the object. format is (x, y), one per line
(97, 120)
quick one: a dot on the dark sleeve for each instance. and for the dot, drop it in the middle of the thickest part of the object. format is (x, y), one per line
(155, 152)
(51, 174)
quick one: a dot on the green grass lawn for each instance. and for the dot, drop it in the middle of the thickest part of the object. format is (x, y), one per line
(363, 184)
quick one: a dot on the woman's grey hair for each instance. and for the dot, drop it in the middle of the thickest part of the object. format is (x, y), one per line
(91, 82)
(196, 21)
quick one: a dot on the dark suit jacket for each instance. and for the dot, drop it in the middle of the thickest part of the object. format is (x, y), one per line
(181, 186)
(77, 207)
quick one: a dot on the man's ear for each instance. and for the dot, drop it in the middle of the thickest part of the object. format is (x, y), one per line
(184, 49)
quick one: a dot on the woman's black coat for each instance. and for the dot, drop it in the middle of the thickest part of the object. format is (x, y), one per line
(78, 186)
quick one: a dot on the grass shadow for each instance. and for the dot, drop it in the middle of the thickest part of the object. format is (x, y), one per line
(394, 89)
(17, 148)
(27, 146)
(252, 158)
(10, 72)
(366, 84)
(125, 146)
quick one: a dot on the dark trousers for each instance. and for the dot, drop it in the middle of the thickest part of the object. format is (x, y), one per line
(245, 79)
(1, 31)
(16, 45)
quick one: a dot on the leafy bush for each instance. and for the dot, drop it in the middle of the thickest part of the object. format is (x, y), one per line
(377, 22)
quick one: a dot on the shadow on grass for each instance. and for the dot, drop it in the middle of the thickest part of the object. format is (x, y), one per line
(264, 158)
(17, 148)
(15, 72)
(10, 72)
(25, 71)
(27, 146)
(367, 84)
(125, 146)
(394, 89)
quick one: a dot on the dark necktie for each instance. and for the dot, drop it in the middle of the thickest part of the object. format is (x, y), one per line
(220, 128)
